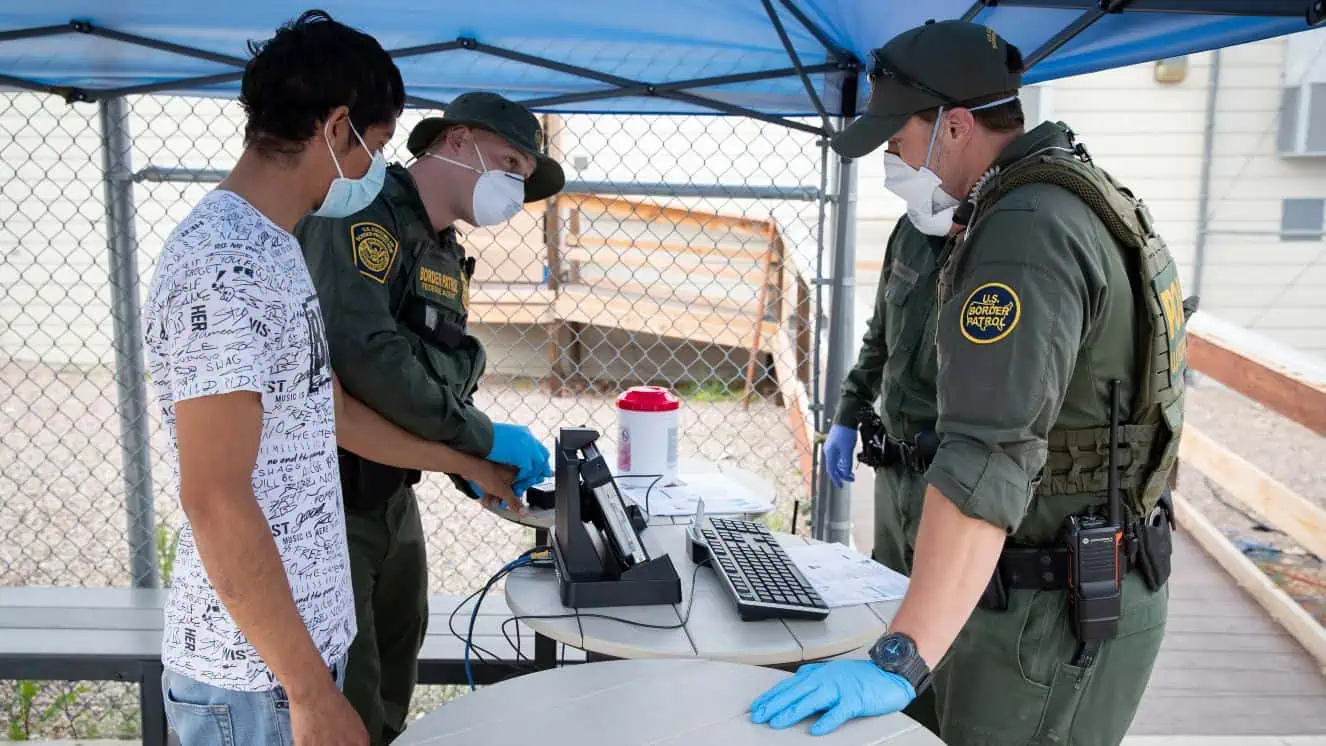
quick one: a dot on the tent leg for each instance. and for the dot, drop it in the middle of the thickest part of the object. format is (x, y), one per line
(835, 518)
(130, 372)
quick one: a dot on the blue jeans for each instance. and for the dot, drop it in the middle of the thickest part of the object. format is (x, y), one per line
(206, 715)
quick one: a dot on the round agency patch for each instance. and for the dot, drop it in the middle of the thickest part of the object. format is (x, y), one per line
(990, 313)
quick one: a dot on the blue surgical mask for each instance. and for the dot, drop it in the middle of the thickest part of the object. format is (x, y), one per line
(346, 197)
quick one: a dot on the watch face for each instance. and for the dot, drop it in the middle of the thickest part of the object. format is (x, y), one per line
(896, 653)
(893, 649)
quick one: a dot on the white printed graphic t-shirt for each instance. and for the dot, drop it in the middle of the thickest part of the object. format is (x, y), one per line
(232, 308)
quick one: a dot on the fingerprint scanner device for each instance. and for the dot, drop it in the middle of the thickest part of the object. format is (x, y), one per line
(753, 569)
(596, 549)
(541, 496)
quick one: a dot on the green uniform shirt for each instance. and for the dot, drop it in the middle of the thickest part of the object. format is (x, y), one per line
(378, 274)
(897, 357)
(1040, 319)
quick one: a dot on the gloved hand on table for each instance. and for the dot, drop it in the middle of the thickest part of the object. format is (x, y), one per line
(846, 688)
(838, 449)
(516, 446)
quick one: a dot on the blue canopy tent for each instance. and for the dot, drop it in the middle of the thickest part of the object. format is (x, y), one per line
(780, 61)
(636, 56)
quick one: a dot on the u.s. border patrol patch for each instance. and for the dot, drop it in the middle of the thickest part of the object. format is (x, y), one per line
(990, 313)
(375, 250)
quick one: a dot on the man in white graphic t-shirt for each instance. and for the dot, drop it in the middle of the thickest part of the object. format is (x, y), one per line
(261, 612)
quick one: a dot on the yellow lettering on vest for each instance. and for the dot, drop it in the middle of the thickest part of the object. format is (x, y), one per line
(430, 281)
(1171, 305)
(434, 282)
(450, 286)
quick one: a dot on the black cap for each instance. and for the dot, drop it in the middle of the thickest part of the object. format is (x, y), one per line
(944, 63)
(505, 118)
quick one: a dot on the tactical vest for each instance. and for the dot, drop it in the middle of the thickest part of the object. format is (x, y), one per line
(1149, 439)
(433, 284)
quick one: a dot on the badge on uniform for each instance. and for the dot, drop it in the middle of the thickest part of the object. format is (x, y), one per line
(375, 250)
(990, 313)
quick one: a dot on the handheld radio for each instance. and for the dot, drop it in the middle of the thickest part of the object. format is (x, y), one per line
(1095, 556)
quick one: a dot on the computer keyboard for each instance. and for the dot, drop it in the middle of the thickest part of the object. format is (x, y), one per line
(755, 571)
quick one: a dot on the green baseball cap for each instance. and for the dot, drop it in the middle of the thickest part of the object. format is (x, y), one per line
(504, 118)
(939, 63)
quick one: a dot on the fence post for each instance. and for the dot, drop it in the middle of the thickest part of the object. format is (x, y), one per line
(835, 522)
(130, 373)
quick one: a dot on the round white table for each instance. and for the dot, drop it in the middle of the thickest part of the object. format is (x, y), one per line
(713, 630)
(625, 703)
(758, 486)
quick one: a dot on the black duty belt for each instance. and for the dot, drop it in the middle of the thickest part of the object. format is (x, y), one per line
(915, 455)
(918, 454)
(367, 484)
(1039, 568)
(881, 450)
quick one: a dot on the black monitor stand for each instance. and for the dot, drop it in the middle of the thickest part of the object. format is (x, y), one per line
(608, 566)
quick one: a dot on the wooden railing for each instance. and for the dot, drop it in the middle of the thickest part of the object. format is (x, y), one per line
(723, 250)
(674, 272)
(1293, 385)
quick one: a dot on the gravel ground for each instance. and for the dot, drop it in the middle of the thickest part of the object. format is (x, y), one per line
(1288, 452)
(62, 510)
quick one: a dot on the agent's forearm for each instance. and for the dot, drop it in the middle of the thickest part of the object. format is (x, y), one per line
(955, 558)
(366, 433)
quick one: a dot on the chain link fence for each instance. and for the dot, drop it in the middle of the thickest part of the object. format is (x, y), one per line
(684, 252)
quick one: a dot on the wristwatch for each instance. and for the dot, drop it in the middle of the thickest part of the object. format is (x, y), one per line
(896, 653)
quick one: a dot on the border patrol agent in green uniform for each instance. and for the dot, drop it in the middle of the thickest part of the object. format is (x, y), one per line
(1057, 300)
(395, 285)
(897, 364)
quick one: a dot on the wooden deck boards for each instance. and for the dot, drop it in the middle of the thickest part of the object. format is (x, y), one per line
(1225, 667)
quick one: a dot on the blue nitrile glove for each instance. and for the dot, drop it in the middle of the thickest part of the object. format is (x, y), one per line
(846, 688)
(838, 448)
(515, 445)
(520, 485)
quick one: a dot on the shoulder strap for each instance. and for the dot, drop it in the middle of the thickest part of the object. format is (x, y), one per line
(1125, 217)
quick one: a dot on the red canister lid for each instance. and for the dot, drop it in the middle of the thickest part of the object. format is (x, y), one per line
(648, 399)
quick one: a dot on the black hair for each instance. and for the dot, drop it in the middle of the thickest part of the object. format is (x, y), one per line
(311, 66)
(1002, 118)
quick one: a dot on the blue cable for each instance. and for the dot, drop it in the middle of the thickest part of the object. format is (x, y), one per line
(520, 561)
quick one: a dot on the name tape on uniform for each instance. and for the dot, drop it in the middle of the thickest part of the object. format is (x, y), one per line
(375, 250)
(990, 313)
(433, 282)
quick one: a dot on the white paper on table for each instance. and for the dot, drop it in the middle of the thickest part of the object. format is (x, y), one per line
(722, 494)
(843, 577)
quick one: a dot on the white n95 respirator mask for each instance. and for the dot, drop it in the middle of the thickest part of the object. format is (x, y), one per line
(498, 195)
(929, 207)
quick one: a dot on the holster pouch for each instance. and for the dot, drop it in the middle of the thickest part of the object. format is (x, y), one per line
(367, 485)
(1155, 544)
(873, 439)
